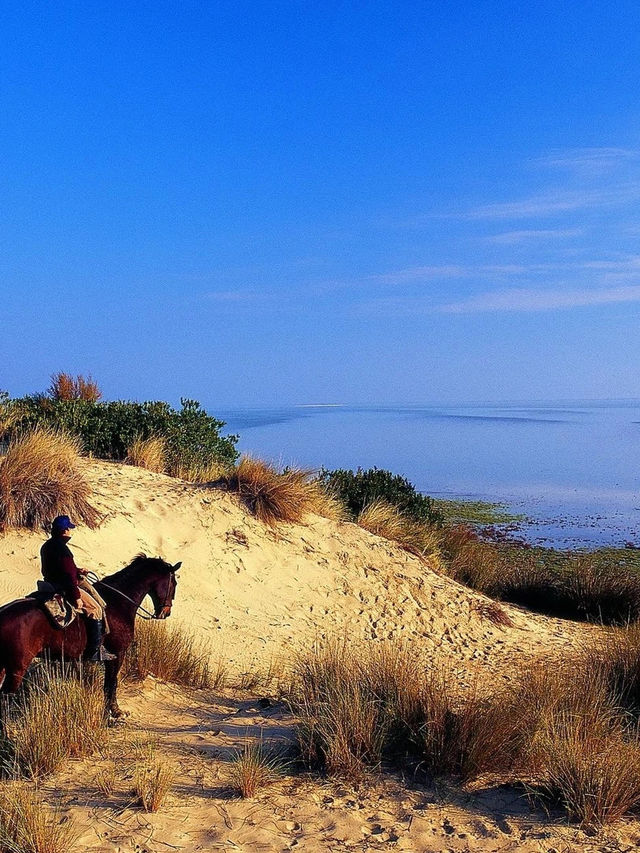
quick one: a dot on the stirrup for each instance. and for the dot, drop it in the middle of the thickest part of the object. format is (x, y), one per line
(101, 655)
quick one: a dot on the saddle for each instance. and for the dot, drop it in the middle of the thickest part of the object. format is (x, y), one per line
(60, 613)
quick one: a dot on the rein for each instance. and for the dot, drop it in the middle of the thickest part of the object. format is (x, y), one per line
(93, 578)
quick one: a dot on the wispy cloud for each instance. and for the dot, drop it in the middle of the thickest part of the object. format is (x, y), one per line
(438, 272)
(524, 299)
(595, 161)
(552, 203)
(512, 238)
(624, 267)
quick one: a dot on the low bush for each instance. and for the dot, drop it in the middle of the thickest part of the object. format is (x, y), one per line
(172, 654)
(28, 826)
(358, 489)
(275, 496)
(40, 479)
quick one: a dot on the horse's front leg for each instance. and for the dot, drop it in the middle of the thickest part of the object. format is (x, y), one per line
(111, 670)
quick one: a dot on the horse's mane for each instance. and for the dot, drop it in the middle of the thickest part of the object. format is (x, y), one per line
(128, 571)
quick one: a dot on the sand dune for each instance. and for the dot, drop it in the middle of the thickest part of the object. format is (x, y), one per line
(258, 595)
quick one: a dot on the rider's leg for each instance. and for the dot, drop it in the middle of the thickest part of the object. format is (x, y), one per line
(95, 650)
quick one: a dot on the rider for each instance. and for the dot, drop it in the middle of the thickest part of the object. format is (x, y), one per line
(60, 570)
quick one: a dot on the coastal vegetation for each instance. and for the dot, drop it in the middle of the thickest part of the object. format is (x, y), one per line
(358, 489)
(171, 653)
(602, 586)
(55, 716)
(28, 825)
(191, 438)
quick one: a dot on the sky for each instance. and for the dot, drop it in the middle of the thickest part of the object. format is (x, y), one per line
(273, 203)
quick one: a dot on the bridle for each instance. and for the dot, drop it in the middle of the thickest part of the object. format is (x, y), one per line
(141, 611)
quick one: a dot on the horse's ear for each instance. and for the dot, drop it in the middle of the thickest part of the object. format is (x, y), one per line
(176, 567)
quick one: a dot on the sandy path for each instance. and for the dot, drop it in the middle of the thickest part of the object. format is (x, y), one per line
(198, 731)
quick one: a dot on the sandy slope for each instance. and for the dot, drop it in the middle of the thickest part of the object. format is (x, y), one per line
(257, 591)
(259, 595)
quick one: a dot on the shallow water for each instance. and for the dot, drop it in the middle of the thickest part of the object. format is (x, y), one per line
(573, 468)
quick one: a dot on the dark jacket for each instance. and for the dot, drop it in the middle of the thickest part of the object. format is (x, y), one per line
(59, 568)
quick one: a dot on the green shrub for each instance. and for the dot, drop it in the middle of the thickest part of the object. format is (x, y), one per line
(107, 430)
(360, 488)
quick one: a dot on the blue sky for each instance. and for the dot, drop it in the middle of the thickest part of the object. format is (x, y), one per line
(284, 202)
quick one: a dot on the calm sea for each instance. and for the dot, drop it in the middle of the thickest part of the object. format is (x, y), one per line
(572, 469)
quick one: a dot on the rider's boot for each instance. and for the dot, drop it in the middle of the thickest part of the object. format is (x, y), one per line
(95, 650)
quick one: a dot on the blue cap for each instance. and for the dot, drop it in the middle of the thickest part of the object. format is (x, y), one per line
(61, 523)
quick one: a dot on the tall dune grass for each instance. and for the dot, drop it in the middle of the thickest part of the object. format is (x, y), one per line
(275, 496)
(356, 706)
(560, 727)
(52, 719)
(40, 479)
(173, 654)
(199, 473)
(27, 825)
(148, 453)
(384, 519)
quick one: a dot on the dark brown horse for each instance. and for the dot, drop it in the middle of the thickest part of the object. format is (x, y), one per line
(25, 630)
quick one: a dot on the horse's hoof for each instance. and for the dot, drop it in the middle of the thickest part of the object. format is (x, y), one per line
(118, 713)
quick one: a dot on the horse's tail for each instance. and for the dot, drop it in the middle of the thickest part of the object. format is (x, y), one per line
(3, 675)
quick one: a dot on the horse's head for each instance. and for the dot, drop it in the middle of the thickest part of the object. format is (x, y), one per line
(163, 589)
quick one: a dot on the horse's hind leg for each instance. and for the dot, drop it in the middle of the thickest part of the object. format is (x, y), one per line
(12, 680)
(111, 670)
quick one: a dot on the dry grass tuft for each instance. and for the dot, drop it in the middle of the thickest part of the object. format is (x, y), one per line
(384, 519)
(64, 386)
(591, 765)
(357, 705)
(253, 767)
(492, 611)
(206, 473)
(172, 654)
(274, 496)
(53, 719)
(148, 453)
(152, 781)
(617, 661)
(28, 826)
(40, 479)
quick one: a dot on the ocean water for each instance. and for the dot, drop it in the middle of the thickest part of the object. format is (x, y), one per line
(573, 469)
